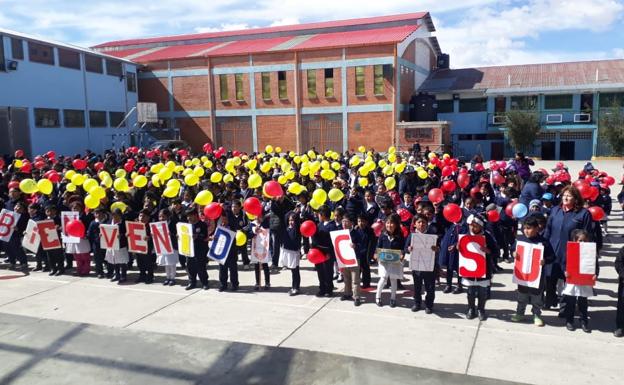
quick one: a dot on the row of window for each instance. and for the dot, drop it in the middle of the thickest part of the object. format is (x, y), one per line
(44, 54)
(51, 118)
(529, 102)
(380, 73)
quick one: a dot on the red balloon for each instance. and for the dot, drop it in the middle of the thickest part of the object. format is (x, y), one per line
(509, 209)
(207, 147)
(253, 206)
(474, 191)
(594, 193)
(26, 168)
(316, 256)
(14, 184)
(448, 186)
(166, 154)
(436, 195)
(19, 153)
(75, 228)
(609, 180)
(493, 216)
(404, 214)
(128, 167)
(498, 179)
(377, 228)
(150, 154)
(585, 190)
(142, 170)
(463, 180)
(452, 213)
(98, 166)
(213, 210)
(550, 180)
(273, 189)
(447, 171)
(1, 163)
(39, 164)
(79, 164)
(308, 228)
(405, 231)
(50, 154)
(479, 167)
(597, 213)
(236, 153)
(53, 176)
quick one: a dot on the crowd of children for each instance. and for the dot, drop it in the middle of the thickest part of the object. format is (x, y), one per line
(381, 213)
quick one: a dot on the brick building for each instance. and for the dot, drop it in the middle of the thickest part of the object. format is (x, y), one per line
(338, 84)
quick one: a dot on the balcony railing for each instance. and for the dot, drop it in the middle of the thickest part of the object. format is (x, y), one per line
(549, 118)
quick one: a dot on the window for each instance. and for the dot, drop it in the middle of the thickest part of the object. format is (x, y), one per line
(360, 89)
(281, 84)
(40, 53)
(422, 133)
(74, 118)
(97, 118)
(238, 83)
(2, 67)
(329, 82)
(46, 117)
(17, 49)
(311, 84)
(131, 80)
(557, 102)
(69, 59)
(612, 99)
(113, 68)
(266, 85)
(473, 105)
(223, 87)
(378, 70)
(445, 106)
(93, 64)
(524, 103)
(115, 119)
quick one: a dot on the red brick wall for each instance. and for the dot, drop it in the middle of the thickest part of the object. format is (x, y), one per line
(231, 103)
(190, 93)
(369, 97)
(154, 91)
(188, 64)
(273, 58)
(277, 131)
(275, 101)
(195, 131)
(229, 61)
(321, 100)
(410, 52)
(320, 55)
(371, 51)
(375, 130)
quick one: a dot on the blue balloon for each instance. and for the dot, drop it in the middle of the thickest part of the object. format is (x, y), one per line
(519, 210)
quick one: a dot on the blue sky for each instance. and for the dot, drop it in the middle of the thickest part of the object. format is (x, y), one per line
(474, 32)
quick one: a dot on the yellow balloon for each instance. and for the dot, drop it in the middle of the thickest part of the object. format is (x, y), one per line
(203, 198)
(392, 158)
(120, 173)
(400, 167)
(294, 188)
(165, 174)
(188, 163)
(156, 180)
(363, 182)
(139, 181)
(250, 216)
(252, 164)
(195, 162)
(103, 175)
(392, 149)
(335, 195)
(69, 174)
(388, 170)
(19, 163)
(97, 192)
(119, 205)
(319, 196)
(70, 187)
(354, 161)
(265, 167)
(170, 192)
(228, 178)
(78, 179)
(297, 159)
(88, 184)
(178, 169)
(362, 149)
(328, 174)
(174, 183)
(311, 154)
(191, 180)
(315, 205)
(241, 238)
(208, 164)
(28, 186)
(432, 155)
(229, 167)
(390, 183)
(335, 166)
(121, 184)
(170, 165)
(91, 202)
(364, 171)
(45, 186)
(382, 163)
(304, 170)
(290, 175)
(325, 165)
(156, 168)
(237, 161)
(278, 149)
(254, 181)
(282, 179)
(268, 149)
(198, 171)
(422, 174)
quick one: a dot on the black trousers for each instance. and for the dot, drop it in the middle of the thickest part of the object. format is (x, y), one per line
(551, 298)
(69, 261)
(428, 278)
(325, 271)
(276, 244)
(242, 250)
(619, 318)
(42, 259)
(508, 236)
(182, 260)
(479, 294)
(265, 269)
(365, 271)
(121, 270)
(56, 259)
(570, 307)
(231, 266)
(146, 264)
(196, 267)
(15, 251)
(99, 256)
(296, 278)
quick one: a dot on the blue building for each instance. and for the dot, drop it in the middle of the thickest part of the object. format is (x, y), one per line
(62, 97)
(568, 98)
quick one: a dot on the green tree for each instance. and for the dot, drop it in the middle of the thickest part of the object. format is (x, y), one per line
(522, 128)
(611, 128)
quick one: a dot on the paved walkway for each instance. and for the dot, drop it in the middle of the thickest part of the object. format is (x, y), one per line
(444, 341)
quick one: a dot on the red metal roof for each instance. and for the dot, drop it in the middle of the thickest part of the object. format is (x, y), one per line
(122, 54)
(248, 46)
(172, 52)
(287, 28)
(363, 37)
(527, 76)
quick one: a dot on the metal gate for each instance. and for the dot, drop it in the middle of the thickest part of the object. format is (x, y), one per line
(235, 133)
(14, 130)
(322, 132)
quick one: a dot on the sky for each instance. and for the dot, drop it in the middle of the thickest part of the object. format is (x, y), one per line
(473, 32)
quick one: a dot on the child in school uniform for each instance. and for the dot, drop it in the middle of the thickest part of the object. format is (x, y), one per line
(99, 254)
(197, 264)
(420, 225)
(392, 238)
(14, 250)
(80, 251)
(478, 287)
(119, 258)
(290, 254)
(574, 295)
(619, 318)
(56, 257)
(170, 260)
(34, 211)
(527, 295)
(321, 240)
(367, 236)
(351, 275)
(230, 267)
(147, 261)
(252, 229)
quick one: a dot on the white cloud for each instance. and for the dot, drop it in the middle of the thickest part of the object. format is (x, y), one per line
(618, 53)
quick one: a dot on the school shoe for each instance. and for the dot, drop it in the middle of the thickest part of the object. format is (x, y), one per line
(471, 314)
(293, 292)
(114, 278)
(428, 310)
(357, 302)
(190, 286)
(320, 294)
(379, 303)
(392, 303)
(619, 333)
(234, 288)
(482, 315)
(585, 327)
(267, 287)
(172, 282)
(53, 272)
(416, 307)
(205, 287)
(346, 298)
(222, 289)
(447, 289)
(257, 287)
(139, 279)
(60, 272)
(458, 290)
(329, 295)
(570, 326)
(538, 321)
(38, 268)
(101, 276)
(517, 317)
(166, 283)
(340, 279)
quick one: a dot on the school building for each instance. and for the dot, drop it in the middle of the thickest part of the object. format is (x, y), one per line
(337, 84)
(56, 96)
(568, 98)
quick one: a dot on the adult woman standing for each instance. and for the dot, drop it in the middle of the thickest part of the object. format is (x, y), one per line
(563, 219)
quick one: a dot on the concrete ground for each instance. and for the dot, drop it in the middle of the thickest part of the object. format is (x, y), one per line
(59, 329)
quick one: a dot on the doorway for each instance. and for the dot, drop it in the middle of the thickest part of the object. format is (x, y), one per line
(566, 150)
(497, 150)
(548, 150)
